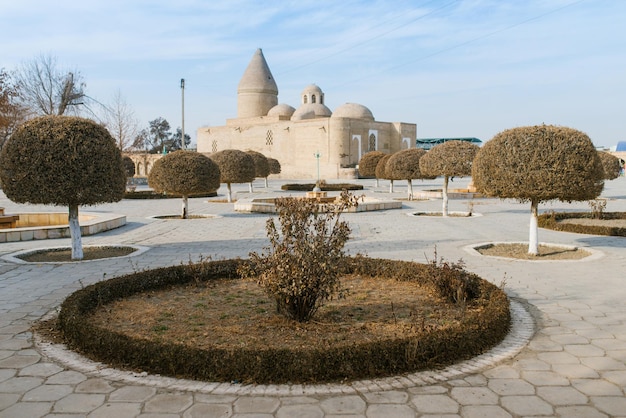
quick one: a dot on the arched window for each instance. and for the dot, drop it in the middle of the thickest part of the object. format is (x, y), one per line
(304, 99)
(372, 143)
(313, 99)
(321, 99)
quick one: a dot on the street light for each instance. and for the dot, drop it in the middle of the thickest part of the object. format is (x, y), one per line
(317, 188)
(182, 89)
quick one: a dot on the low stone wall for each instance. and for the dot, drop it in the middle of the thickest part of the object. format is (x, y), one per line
(267, 205)
(49, 225)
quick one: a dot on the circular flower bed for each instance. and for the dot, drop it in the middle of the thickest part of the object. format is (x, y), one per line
(608, 223)
(481, 321)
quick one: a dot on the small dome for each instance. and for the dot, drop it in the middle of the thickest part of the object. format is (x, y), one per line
(311, 111)
(353, 111)
(281, 110)
(312, 89)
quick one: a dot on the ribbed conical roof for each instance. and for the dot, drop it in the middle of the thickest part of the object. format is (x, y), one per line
(257, 77)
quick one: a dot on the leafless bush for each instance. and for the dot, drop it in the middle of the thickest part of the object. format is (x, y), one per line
(301, 267)
(597, 208)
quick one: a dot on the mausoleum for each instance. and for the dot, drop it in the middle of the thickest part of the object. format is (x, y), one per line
(305, 139)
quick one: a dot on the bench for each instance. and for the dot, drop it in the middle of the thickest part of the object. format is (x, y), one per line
(8, 221)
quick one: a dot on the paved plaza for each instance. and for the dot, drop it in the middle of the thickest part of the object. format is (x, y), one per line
(566, 359)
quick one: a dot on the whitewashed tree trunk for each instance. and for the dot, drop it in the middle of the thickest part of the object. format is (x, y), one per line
(533, 241)
(230, 193)
(266, 182)
(410, 189)
(377, 182)
(77, 243)
(390, 186)
(444, 196)
(250, 187)
(185, 208)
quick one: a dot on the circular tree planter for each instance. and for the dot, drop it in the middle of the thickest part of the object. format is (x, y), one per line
(609, 223)
(484, 323)
(451, 214)
(59, 255)
(189, 217)
(547, 252)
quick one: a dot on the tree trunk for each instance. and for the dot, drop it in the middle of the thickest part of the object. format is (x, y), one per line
(377, 182)
(230, 193)
(266, 182)
(444, 196)
(390, 186)
(251, 187)
(533, 242)
(185, 207)
(410, 189)
(77, 243)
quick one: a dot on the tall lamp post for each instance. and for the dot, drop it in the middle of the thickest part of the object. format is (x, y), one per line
(182, 89)
(317, 188)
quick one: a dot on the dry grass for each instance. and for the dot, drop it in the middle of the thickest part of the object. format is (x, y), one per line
(65, 254)
(237, 313)
(520, 251)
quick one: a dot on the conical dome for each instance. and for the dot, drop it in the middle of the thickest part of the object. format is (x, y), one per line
(257, 92)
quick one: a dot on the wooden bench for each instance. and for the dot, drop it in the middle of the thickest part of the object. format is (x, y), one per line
(8, 221)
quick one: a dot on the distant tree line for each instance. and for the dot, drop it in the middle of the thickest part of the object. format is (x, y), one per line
(40, 87)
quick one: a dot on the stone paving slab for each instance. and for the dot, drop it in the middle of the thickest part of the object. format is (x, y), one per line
(569, 362)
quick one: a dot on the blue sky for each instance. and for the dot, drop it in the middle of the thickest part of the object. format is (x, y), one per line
(453, 67)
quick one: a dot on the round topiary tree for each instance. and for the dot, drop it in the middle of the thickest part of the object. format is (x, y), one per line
(129, 166)
(235, 167)
(261, 166)
(381, 170)
(185, 173)
(610, 164)
(274, 165)
(368, 163)
(405, 165)
(63, 161)
(538, 164)
(449, 159)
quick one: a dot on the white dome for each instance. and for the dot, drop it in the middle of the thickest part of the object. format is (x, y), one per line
(311, 111)
(281, 110)
(353, 111)
(312, 89)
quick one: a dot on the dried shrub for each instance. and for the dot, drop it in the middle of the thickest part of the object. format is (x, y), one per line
(274, 165)
(185, 173)
(482, 326)
(405, 165)
(537, 164)
(449, 159)
(368, 163)
(151, 194)
(62, 161)
(610, 165)
(551, 220)
(129, 166)
(301, 267)
(381, 168)
(261, 164)
(597, 208)
(235, 167)
(325, 187)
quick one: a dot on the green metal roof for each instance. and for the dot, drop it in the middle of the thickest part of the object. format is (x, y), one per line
(428, 143)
